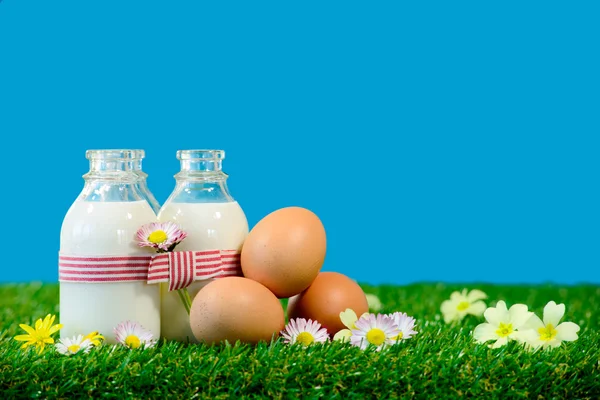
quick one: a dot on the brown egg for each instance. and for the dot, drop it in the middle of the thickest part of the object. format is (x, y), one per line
(285, 251)
(329, 295)
(236, 308)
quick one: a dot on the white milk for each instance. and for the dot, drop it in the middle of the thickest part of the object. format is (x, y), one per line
(106, 228)
(208, 226)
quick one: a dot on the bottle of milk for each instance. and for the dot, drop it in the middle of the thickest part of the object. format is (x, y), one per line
(142, 184)
(202, 205)
(102, 270)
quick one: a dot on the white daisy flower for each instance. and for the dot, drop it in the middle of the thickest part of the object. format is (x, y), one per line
(304, 332)
(163, 236)
(463, 303)
(74, 345)
(405, 324)
(374, 330)
(502, 324)
(133, 335)
(549, 332)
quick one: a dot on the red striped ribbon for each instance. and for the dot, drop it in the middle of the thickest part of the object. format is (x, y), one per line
(181, 268)
(99, 269)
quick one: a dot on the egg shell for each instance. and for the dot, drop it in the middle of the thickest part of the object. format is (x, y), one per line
(324, 300)
(285, 251)
(236, 308)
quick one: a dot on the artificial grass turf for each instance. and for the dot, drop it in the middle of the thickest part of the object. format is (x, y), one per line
(441, 361)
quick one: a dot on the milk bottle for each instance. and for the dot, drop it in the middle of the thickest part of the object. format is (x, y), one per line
(102, 270)
(203, 207)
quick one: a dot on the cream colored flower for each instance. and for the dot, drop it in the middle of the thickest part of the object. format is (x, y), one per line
(374, 302)
(549, 332)
(502, 324)
(349, 319)
(463, 303)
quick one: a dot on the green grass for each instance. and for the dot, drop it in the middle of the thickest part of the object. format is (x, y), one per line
(440, 362)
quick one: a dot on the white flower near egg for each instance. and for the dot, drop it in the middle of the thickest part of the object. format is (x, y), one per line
(304, 332)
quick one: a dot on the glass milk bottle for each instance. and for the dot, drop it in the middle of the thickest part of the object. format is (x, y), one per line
(102, 270)
(142, 184)
(202, 205)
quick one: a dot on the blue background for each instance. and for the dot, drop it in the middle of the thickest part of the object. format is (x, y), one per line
(446, 141)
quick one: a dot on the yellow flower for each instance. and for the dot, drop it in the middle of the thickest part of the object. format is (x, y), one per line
(95, 338)
(41, 335)
(349, 319)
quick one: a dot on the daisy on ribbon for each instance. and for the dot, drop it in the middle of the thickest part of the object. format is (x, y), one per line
(549, 332)
(133, 335)
(463, 303)
(70, 346)
(349, 319)
(405, 324)
(502, 324)
(40, 335)
(374, 330)
(304, 332)
(163, 236)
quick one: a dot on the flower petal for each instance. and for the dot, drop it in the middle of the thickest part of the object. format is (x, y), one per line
(475, 295)
(500, 342)
(495, 315)
(477, 308)
(55, 328)
(27, 329)
(457, 297)
(519, 315)
(567, 331)
(534, 322)
(449, 311)
(343, 335)
(484, 332)
(24, 338)
(553, 313)
(348, 318)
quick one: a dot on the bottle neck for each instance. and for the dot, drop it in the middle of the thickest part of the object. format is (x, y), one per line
(201, 178)
(113, 175)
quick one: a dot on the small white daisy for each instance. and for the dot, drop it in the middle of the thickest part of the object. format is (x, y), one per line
(405, 324)
(374, 330)
(133, 335)
(304, 332)
(163, 236)
(74, 345)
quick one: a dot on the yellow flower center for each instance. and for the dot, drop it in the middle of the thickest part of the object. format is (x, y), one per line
(376, 336)
(133, 341)
(74, 348)
(400, 336)
(305, 338)
(504, 329)
(463, 305)
(547, 333)
(157, 237)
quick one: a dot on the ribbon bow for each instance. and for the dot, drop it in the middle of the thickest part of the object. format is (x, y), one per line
(181, 268)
